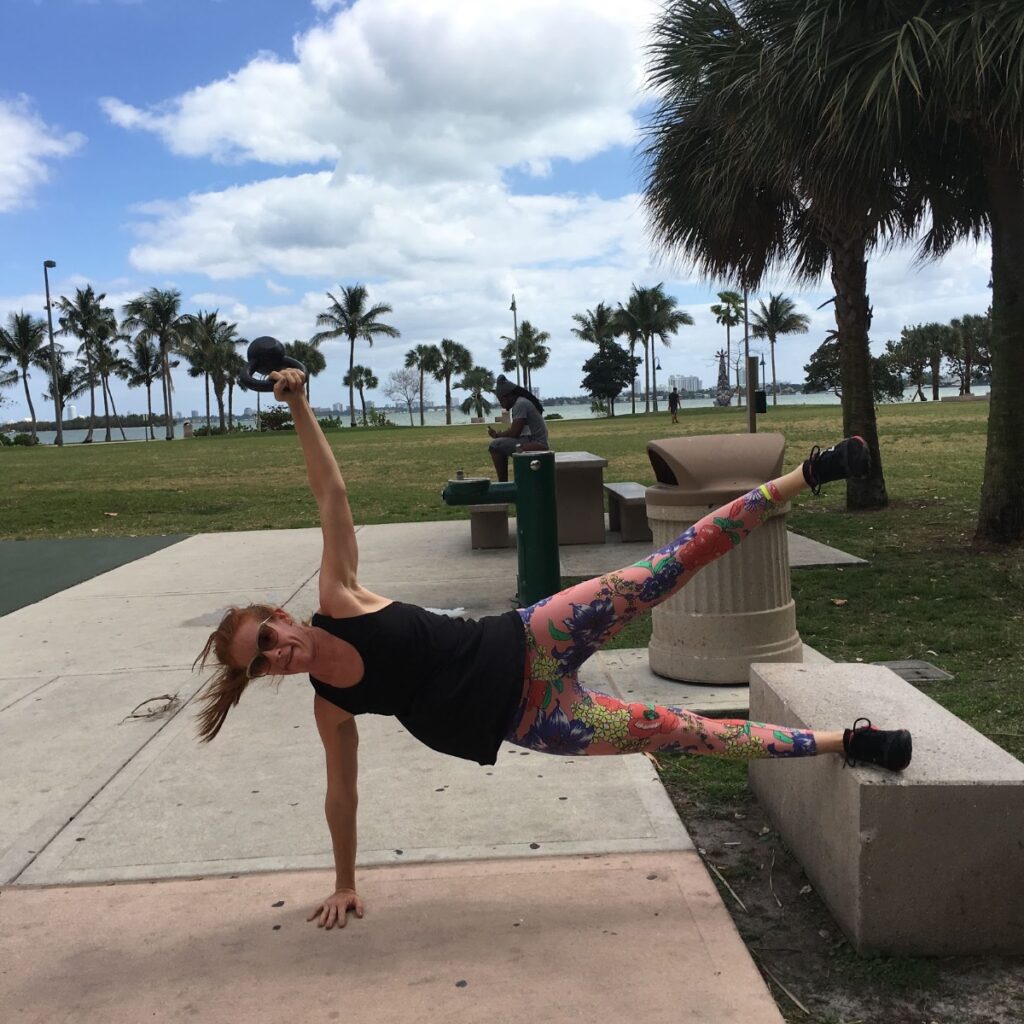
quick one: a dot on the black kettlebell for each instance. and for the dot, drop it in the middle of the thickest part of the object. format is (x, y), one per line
(265, 355)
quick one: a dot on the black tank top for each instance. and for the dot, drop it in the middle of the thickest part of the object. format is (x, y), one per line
(453, 683)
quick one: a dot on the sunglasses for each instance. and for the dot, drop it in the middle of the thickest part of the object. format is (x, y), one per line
(266, 639)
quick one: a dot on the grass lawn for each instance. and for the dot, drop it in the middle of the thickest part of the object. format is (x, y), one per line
(927, 592)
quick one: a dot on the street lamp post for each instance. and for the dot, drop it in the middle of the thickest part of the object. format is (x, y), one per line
(48, 265)
(515, 337)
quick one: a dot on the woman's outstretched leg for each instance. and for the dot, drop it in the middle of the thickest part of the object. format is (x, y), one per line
(577, 721)
(569, 626)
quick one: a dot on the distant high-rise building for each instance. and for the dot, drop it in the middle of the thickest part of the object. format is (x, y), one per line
(684, 383)
(196, 414)
(72, 412)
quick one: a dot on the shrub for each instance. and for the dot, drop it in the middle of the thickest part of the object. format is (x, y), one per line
(331, 423)
(5, 441)
(553, 416)
(25, 439)
(277, 417)
(377, 418)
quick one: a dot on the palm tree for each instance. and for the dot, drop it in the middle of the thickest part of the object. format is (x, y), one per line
(477, 381)
(23, 343)
(350, 318)
(156, 316)
(528, 351)
(234, 365)
(79, 317)
(308, 353)
(728, 312)
(599, 327)
(626, 323)
(650, 313)
(778, 317)
(739, 179)
(360, 377)
(453, 358)
(71, 383)
(199, 347)
(423, 358)
(144, 367)
(107, 362)
(596, 325)
(941, 86)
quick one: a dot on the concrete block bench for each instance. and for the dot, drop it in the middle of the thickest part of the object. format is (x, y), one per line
(627, 511)
(926, 862)
(488, 526)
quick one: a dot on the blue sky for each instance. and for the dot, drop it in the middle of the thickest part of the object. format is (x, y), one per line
(256, 153)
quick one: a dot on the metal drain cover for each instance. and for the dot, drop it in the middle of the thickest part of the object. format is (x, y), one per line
(917, 672)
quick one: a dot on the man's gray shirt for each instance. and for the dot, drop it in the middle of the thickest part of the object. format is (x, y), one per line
(536, 429)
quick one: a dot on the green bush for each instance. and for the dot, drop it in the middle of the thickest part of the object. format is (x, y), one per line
(553, 416)
(378, 419)
(277, 417)
(331, 423)
(5, 441)
(27, 440)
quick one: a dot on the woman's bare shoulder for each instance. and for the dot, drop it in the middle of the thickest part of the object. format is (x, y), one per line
(346, 602)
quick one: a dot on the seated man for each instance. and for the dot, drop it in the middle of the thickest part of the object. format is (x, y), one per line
(528, 431)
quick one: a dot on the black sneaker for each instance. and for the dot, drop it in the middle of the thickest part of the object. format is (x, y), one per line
(889, 748)
(847, 460)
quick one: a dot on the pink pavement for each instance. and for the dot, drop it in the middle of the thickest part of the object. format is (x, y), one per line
(601, 938)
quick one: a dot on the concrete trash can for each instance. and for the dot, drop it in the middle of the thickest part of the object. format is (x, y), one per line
(187, 428)
(739, 609)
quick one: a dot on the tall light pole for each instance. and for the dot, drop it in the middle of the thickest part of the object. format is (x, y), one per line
(48, 265)
(515, 337)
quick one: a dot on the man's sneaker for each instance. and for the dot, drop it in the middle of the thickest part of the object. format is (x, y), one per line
(847, 460)
(889, 748)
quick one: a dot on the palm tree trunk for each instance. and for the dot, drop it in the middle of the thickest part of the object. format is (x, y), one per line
(422, 421)
(151, 436)
(849, 279)
(654, 376)
(728, 355)
(113, 405)
(231, 411)
(351, 383)
(168, 411)
(936, 363)
(775, 389)
(106, 408)
(92, 394)
(448, 399)
(28, 398)
(1001, 511)
(206, 377)
(219, 395)
(362, 405)
(647, 375)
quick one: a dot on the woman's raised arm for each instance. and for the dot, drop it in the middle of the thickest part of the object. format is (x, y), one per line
(341, 553)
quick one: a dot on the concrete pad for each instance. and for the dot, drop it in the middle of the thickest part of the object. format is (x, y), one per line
(62, 744)
(805, 553)
(627, 673)
(922, 862)
(618, 938)
(253, 801)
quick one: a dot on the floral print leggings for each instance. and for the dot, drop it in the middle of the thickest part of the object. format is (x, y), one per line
(557, 715)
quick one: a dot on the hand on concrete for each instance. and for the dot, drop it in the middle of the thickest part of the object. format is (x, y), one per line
(334, 910)
(288, 384)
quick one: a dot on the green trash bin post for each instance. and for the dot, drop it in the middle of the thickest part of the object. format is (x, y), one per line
(533, 493)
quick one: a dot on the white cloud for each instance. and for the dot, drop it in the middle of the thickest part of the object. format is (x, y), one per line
(28, 144)
(411, 90)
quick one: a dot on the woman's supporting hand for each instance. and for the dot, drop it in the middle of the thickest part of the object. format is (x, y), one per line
(334, 910)
(288, 384)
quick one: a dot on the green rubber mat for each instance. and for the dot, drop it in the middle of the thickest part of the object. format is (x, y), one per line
(31, 570)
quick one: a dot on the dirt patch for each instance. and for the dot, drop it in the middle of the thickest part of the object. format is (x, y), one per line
(792, 937)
